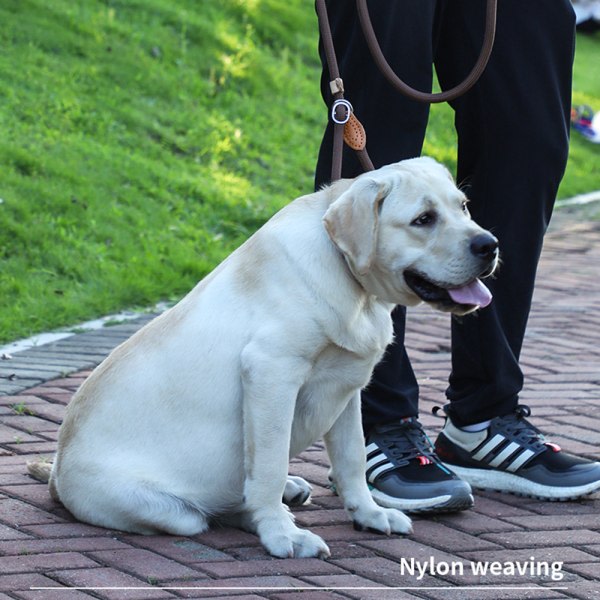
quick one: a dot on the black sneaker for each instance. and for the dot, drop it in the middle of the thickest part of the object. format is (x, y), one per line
(512, 455)
(403, 471)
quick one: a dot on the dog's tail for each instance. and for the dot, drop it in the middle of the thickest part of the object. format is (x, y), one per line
(40, 469)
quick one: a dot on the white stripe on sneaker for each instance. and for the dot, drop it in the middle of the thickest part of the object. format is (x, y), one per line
(520, 460)
(491, 445)
(510, 449)
(376, 460)
(379, 470)
(372, 447)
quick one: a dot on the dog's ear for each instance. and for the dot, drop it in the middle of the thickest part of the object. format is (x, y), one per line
(352, 221)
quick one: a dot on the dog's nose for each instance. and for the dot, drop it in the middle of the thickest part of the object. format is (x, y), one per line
(484, 245)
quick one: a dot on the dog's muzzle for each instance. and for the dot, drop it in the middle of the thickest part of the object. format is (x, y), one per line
(472, 294)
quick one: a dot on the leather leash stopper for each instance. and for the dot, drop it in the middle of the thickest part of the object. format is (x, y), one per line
(354, 134)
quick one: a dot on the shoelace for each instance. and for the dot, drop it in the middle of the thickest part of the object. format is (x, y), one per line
(406, 440)
(518, 425)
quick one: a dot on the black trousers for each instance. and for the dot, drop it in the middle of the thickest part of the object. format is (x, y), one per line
(513, 131)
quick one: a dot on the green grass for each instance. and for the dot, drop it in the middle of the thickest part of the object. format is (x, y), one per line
(143, 140)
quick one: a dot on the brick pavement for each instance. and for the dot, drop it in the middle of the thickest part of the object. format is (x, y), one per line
(42, 546)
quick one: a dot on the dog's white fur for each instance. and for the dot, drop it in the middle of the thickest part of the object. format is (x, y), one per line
(197, 415)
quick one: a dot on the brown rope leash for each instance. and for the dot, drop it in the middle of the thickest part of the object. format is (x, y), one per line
(346, 126)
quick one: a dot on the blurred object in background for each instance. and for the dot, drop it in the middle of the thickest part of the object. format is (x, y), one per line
(587, 13)
(586, 122)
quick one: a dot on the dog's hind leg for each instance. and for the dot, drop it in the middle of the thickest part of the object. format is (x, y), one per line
(297, 491)
(138, 507)
(162, 512)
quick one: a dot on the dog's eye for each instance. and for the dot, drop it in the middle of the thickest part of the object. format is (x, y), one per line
(427, 218)
(465, 207)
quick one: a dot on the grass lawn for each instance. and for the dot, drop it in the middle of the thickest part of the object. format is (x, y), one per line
(143, 140)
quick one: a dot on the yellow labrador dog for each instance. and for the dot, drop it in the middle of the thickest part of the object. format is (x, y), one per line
(196, 416)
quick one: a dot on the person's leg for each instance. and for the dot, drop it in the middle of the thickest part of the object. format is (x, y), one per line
(513, 132)
(393, 392)
(402, 468)
(395, 130)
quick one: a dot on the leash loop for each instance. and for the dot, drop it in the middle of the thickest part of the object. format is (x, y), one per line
(341, 102)
(403, 88)
(358, 141)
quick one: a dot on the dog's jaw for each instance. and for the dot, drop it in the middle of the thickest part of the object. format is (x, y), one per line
(459, 300)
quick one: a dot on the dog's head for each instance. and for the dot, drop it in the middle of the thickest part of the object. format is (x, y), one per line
(407, 236)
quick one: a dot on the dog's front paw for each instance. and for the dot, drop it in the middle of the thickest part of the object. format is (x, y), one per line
(296, 543)
(383, 520)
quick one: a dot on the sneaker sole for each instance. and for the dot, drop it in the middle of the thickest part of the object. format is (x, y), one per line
(499, 481)
(439, 504)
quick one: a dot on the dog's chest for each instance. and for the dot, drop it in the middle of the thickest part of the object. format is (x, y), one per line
(363, 332)
(337, 375)
(345, 364)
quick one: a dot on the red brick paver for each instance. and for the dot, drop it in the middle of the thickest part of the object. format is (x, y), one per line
(41, 546)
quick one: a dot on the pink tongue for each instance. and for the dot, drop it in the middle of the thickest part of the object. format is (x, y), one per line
(475, 293)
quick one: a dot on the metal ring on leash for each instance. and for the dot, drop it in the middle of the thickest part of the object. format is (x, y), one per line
(375, 49)
(347, 106)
